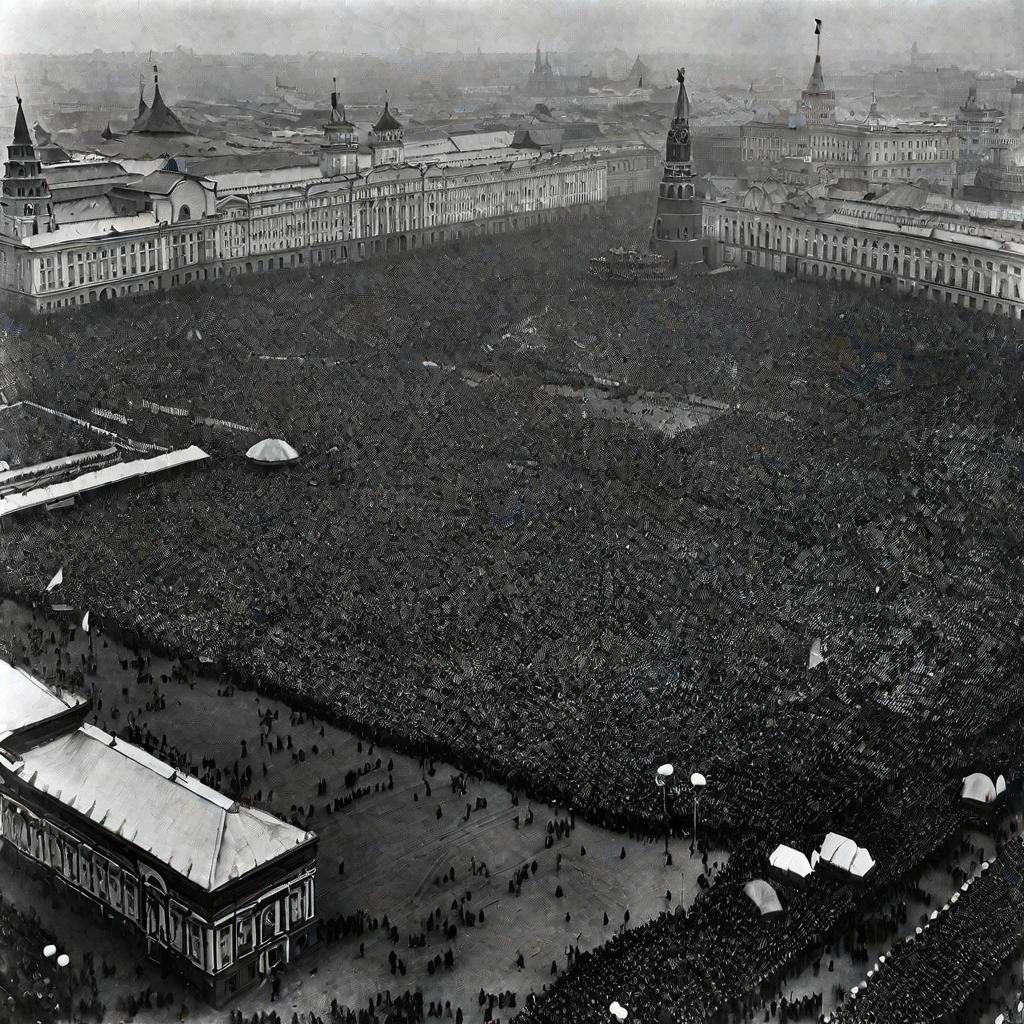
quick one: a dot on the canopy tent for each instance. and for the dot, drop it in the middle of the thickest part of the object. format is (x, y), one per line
(838, 851)
(841, 853)
(765, 898)
(272, 452)
(789, 865)
(979, 789)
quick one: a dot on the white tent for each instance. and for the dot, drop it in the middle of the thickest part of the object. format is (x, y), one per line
(272, 451)
(765, 898)
(790, 861)
(978, 788)
(1000, 786)
(838, 851)
(862, 863)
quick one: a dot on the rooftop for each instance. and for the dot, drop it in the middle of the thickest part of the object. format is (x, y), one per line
(27, 700)
(132, 794)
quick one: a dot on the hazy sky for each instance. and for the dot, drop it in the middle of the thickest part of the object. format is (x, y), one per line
(716, 26)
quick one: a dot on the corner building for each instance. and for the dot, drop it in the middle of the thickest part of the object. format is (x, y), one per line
(221, 893)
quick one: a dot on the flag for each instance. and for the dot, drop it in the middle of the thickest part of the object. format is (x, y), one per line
(56, 581)
(85, 623)
(815, 659)
(817, 26)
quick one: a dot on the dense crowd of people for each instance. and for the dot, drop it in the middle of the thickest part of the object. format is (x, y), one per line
(33, 986)
(950, 961)
(467, 566)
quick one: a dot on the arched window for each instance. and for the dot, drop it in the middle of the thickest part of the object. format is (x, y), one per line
(184, 213)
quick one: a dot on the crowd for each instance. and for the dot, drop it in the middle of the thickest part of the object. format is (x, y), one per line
(466, 566)
(935, 973)
(33, 987)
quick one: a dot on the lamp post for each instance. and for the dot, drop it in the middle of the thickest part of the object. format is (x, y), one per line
(63, 961)
(698, 782)
(661, 777)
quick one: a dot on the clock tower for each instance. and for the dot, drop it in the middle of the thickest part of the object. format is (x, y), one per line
(678, 234)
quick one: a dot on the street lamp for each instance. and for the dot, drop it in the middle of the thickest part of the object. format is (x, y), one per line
(698, 782)
(63, 960)
(661, 778)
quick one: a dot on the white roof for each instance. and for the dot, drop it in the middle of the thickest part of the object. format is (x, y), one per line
(764, 896)
(85, 229)
(25, 700)
(272, 449)
(843, 853)
(99, 478)
(838, 851)
(1000, 785)
(785, 858)
(129, 793)
(978, 787)
(862, 863)
(8, 476)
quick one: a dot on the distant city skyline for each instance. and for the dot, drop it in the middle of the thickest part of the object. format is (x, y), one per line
(742, 27)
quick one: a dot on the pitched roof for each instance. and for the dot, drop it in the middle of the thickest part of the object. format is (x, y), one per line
(132, 794)
(386, 122)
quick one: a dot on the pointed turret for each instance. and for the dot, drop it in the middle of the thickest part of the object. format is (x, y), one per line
(26, 206)
(107, 133)
(678, 231)
(159, 119)
(536, 63)
(817, 103)
(21, 134)
(387, 139)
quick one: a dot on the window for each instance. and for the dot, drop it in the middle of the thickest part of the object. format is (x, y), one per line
(130, 897)
(297, 905)
(268, 922)
(196, 949)
(224, 952)
(177, 927)
(245, 937)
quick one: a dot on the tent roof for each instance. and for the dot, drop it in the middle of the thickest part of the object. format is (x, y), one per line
(838, 851)
(785, 858)
(764, 896)
(273, 449)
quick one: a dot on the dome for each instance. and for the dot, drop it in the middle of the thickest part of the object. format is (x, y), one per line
(272, 451)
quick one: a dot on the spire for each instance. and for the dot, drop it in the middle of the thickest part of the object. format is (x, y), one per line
(817, 80)
(142, 103)
(159, 118)
(21, 135)
(536, 63)
(682, 107)
(107, 133)
(547, 61)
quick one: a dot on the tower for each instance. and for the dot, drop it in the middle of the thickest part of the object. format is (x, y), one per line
(1014, 123)
(536, 63)
(340, 148)
(26, 206)
(817, 103)
(387, 139)
(158, 119)
(677, 233)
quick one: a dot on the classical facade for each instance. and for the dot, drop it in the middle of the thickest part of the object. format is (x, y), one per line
(906, 241)
(217, 891)
(871, 151)
(170, 228)
(676, 233)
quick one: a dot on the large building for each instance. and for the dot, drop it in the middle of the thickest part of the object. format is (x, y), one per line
(174, 226)
(874, 151)
(1000, 178)
(218, 891)
(676, 233)
(905, 240)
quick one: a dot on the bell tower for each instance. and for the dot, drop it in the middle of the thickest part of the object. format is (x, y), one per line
(26, 206)
(678, 233)
(387, 139)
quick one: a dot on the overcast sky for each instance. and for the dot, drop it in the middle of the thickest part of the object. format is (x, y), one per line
(688, 26)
